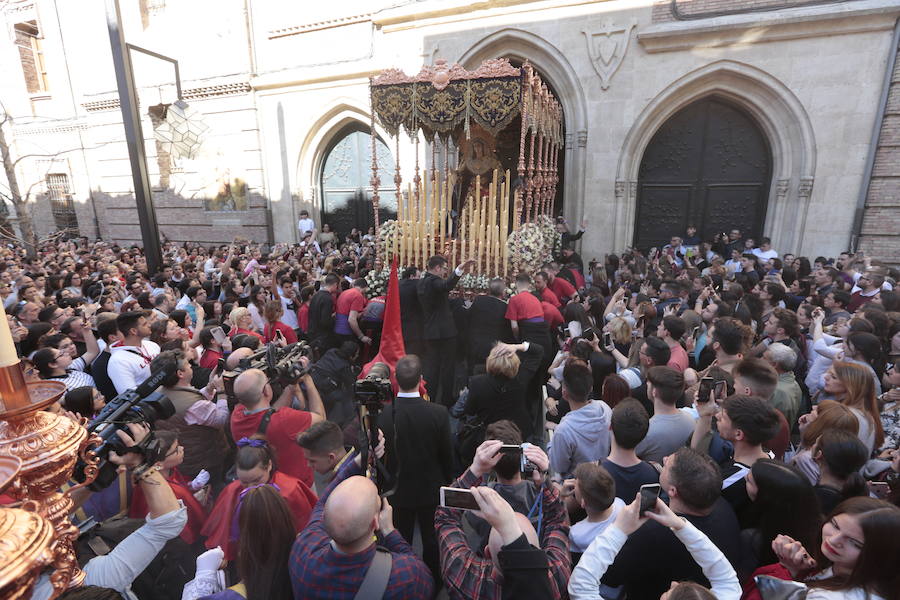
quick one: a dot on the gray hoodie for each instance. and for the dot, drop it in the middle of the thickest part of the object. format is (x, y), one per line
(581, 436)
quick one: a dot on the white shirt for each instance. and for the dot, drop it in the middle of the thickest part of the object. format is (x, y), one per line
(585, 581)
(304, 225)
(130, 365)
(765, 255)
(289, 317)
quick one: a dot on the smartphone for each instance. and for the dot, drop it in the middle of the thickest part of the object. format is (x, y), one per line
(510, 449)
(588, 333)
(649, 496)
(220, 366)
(607, 339)
(706, 386)
(219, 335)
(879, 489)
(458, 498)
(695, 332)
(720, 389)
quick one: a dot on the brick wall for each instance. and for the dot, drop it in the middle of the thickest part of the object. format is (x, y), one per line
(880, 234)
(662, 11)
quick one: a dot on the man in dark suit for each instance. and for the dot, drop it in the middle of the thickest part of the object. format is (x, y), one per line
(487, 323)
(411, 312)
(418, 455)
(439, 330)
(321, 315)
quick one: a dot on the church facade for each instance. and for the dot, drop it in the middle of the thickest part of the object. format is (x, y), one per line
(778, 118)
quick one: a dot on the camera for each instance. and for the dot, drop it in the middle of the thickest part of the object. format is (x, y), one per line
(372, 393)
(141, 404)
(282, 366)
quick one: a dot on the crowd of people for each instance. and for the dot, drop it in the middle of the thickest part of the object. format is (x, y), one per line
(707, 419)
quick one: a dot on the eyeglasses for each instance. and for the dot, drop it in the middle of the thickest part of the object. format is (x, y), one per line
(178, 448)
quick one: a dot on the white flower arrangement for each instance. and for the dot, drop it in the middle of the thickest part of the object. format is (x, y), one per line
(531, 245)
(475, 282)
(378, 282)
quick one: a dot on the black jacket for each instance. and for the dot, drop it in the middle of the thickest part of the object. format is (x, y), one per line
(487, 324)
(410, 311)
(433, 297)
(321, 314)
(418, 452)
(493, 397)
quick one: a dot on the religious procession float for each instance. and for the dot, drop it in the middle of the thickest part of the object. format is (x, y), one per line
(494, 136)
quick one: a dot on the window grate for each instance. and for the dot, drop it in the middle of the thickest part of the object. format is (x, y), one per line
(61, 204)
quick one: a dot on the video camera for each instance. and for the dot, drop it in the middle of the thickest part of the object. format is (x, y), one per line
(281, 365)
(141, 404)
(372, 393)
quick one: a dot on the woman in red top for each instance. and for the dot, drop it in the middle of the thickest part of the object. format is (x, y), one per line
(272, 314)
(303, 312)
(241, 321)
(255, 466)
(184, 490)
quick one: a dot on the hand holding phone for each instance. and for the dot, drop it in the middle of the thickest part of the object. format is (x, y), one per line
(608, 341)
(458, 498)
(649, 495)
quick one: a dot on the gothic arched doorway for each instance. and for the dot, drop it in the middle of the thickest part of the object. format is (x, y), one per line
(709, 165)
(345, 181)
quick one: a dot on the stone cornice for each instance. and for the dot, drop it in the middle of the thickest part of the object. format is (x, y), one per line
(319, 25)
(196, 93)
(753, 28)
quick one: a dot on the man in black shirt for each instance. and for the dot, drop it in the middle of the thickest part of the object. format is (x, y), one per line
(653, 558)
(411, 312)
(487, 323)
(321, 315)
(629, 426)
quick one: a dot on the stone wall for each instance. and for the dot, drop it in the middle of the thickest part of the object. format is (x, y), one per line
(699, 9)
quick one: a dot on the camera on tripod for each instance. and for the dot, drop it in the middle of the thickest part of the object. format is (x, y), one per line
(141, 404)
(372, 393)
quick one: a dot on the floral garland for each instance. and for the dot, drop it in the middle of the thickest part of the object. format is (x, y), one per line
(386, 233)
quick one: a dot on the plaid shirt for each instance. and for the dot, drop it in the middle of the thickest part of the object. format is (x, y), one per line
(319, 571)
(469, 575)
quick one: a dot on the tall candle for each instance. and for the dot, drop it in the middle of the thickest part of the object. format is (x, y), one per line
(8, 354)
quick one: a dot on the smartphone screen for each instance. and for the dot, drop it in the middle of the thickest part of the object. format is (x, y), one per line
(510, 449)
(458, 498)
(695, 333)
(706, 386)
(720, 389)
(879, 489)
(649, 495)
(607, 339)
(218, 334)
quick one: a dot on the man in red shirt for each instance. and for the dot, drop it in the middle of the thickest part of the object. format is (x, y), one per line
(564, 290)
(254, 394)
(541, 281)
(348, 309)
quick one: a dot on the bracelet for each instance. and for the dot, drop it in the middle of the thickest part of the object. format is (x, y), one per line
(140, 477)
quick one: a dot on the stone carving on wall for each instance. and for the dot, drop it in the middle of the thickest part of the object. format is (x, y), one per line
(606, 49)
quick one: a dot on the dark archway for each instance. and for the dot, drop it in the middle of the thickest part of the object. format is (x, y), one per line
(709, 165)
(345, 180)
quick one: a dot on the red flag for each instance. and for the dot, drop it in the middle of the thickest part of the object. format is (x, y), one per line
(392, 348)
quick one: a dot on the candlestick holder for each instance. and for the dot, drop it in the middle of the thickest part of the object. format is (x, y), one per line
(48, 446)
(26, 540)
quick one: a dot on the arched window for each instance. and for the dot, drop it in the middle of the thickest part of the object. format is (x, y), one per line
(345, 181)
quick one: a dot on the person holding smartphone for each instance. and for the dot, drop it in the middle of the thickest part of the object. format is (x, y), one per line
(470, 573)
(648, 557)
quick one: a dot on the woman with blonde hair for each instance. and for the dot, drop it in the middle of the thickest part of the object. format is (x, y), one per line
(500, 392)
(827, 415)
(241, 322)
(621, 334)
(851, 384)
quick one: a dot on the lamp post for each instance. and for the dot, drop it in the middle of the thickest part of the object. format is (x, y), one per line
(134, 135)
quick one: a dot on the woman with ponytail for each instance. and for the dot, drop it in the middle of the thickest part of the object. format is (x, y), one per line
(840, 455)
